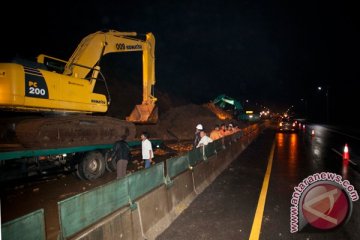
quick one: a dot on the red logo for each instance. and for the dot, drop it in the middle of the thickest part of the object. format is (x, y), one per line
(325, 206)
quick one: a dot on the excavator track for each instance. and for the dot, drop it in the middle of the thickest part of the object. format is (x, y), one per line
(70, 131)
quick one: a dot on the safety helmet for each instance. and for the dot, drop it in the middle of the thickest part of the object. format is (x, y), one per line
(199, 127)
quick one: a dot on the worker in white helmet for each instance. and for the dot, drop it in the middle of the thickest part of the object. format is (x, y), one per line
(197, 138)
(205, 140)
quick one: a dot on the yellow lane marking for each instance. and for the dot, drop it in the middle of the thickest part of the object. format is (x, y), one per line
(256, 226)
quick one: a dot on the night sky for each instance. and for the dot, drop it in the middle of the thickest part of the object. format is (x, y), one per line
(274, 53)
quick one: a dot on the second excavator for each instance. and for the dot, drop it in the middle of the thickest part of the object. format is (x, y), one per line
(63, 92)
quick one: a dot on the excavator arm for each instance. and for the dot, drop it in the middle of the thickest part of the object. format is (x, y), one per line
(87, 56)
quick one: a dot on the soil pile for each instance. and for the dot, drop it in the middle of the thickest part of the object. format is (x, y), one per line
(179, 123)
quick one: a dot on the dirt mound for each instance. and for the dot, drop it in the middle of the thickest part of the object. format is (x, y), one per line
(179, 123)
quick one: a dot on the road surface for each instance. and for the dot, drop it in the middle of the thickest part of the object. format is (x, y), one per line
(252, 198)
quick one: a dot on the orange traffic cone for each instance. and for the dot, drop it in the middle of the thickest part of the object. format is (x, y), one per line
(346, 156)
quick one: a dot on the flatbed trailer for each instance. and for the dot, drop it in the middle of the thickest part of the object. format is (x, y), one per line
(88, 162)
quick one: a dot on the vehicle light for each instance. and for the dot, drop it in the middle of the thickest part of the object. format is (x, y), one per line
(280, 124)
(293, 124)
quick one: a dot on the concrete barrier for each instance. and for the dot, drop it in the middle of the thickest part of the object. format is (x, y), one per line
(153, 212)
(122, 224)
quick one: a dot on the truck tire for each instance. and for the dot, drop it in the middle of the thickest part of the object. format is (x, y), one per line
(110, 165)
(78, 174)
(92, 166)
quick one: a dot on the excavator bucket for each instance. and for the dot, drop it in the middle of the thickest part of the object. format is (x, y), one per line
(144, 113)
(219, 112)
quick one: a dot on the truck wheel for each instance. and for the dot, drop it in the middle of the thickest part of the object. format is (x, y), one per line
(110, 165)
(92, 166)
(77, 173)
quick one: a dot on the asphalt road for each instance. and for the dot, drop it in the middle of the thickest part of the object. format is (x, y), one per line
(252, 198)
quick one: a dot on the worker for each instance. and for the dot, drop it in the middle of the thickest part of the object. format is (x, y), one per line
(121, 154)
(216, 133)
(237, 128)
(223, 129)
(146, 149)
(205, 140)
(230, 129)
(197, 137)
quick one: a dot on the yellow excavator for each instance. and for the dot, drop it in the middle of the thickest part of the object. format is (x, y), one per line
(64, 92)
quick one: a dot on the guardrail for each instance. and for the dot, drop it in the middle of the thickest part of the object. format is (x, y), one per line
(30, 227)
